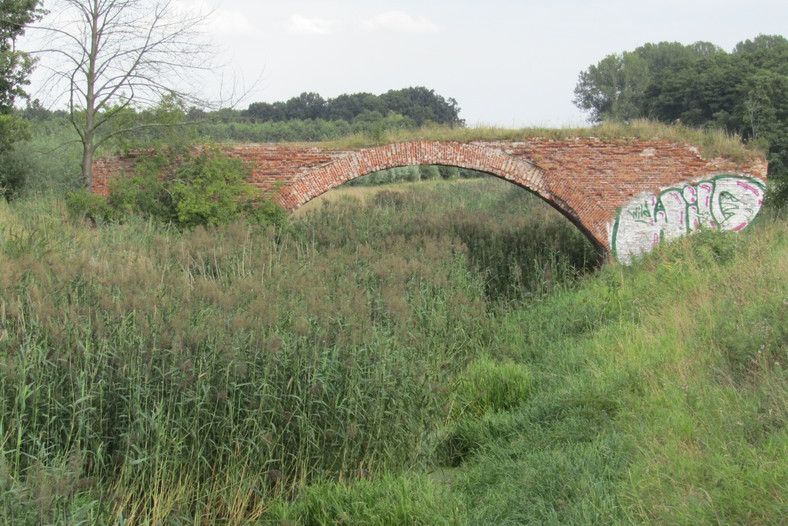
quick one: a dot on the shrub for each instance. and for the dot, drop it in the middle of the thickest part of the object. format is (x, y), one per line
(205, 190)
(82, 205)
(265, 212)
(210, 190)
(13, 172)
(146, 195)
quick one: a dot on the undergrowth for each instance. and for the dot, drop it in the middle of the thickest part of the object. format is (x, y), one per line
(182, 189)
(446, 355)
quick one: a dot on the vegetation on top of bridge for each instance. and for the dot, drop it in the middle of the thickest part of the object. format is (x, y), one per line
(712, 143)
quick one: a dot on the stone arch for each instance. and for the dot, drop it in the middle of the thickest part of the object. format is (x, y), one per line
(494, 161)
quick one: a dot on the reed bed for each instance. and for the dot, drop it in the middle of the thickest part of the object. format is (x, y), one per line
(448, 354)
(222, 369)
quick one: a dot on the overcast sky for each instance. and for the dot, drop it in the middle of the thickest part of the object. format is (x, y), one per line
(508, 63)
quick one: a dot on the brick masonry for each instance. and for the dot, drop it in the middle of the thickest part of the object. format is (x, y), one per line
(589, 180)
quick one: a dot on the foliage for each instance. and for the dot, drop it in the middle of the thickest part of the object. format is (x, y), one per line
(744, 92)
(204, 189)
(48, 161)
(145, 195)
(82, 205)
(244, 374)
(210, 190)
(15, 65)
(373, 126)
(616, 88)
(169, 122)
(12, 168)
(163, 127)
(418, 105)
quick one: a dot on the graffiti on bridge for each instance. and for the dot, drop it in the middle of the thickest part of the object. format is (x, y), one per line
(725, 202)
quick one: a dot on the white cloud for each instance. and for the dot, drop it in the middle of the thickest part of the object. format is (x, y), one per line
(400, 22)
(218, 22)
(224, 22)
(301, 25)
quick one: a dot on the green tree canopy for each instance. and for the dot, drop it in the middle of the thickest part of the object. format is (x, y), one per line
(418, 104)
(15, 67)
(616, 87)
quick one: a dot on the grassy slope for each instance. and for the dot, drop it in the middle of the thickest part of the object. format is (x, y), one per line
(652, 394)
(669, 408)
(660, 397)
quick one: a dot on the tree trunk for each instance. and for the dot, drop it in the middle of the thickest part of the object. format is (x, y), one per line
(87, 166)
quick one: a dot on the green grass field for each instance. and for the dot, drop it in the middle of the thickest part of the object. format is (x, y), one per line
(446, 353)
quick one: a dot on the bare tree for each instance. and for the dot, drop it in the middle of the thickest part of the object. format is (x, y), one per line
(113, 54)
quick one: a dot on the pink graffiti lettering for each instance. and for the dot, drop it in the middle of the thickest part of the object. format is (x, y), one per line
(748, 187)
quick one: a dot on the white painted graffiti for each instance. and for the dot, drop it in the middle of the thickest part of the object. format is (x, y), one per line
(726, 202)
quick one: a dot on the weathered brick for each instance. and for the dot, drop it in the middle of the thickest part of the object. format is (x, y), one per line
(587, 179)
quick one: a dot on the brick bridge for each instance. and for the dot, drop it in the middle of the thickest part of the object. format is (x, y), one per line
(625, 195)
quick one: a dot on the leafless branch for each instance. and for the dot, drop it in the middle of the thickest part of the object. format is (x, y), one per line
(112, 54)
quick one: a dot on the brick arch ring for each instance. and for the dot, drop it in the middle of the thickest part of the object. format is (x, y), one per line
(494, 161)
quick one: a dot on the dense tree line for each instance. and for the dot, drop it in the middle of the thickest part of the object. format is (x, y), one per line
(307, 117)
(700, 85)
(418, 104)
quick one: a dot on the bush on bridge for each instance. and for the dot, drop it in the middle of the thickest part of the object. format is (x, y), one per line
(207, 189)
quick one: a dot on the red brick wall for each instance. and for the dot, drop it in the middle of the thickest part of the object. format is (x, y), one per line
(587, 179)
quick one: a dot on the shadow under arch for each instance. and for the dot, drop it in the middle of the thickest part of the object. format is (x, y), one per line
(493, 161)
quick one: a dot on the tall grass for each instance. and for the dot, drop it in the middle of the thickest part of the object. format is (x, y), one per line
(228, 368)
(659, 396)
(440, 355)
